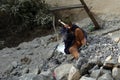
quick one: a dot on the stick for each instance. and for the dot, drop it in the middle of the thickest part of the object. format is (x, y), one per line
(61, 22)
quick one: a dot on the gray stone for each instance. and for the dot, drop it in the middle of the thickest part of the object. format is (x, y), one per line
(116, 73)
(87, 78)
(69, 57)
(80, 62)
(116, 39)
(41, 77)
(112, 61)
(95, 60)
(94, 68)
(50, 54)
(25, 70)
(28, 45)
(95, 73)
(35, 45)
(105, 76)
(22, 51)
(119, 45)
(9, 69)
(15, 64)
(29, 53)
(10, 78)
(85, 68)
(62, 70)
(29, 76)
(74, 74)
(46, 73)
(119, 59)
(8, 50)
(36, 70)
(23, 45)
(106, 71)
(14, 78)
(43, 53)
(14, 72)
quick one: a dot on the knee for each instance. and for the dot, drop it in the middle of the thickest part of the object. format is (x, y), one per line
(77, 29)
(72, 49)
(74, 52)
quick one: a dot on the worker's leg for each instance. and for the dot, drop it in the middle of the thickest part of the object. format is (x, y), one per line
(80, 38)
(79, 41)
(74, 51)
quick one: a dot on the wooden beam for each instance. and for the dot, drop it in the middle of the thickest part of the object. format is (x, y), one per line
(55, 28)
(90, 15)
(66, 7)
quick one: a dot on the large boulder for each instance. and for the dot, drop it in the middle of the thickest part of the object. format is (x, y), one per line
(74, 74)
(105, 76)
(62, 71)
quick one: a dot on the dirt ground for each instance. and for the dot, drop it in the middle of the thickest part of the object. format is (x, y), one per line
(98, 7)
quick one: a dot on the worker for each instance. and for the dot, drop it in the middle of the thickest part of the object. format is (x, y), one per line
(74, 38)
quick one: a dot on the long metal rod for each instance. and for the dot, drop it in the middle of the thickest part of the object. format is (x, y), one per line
(66, 7)
(90, 14)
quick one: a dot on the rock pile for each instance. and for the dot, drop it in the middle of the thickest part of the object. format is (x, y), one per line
(37, 60)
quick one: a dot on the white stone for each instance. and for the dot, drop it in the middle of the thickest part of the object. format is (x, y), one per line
(117, 39)
(46, 73)
(87, 78)
(74, 74)
(108, 58)
(62, 70)
(118, 59)
(110, 34)
(61, 48)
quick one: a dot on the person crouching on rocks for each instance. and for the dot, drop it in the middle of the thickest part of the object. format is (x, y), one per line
(74, 37)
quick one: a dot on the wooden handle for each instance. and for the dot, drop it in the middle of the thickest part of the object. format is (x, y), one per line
(61, 22)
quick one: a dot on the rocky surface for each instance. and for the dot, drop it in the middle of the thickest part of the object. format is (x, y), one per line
(37, 60)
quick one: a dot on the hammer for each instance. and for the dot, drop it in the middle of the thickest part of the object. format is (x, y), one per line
(61, 22)
(64, 24)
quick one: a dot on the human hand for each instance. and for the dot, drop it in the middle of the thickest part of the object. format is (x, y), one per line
(67, 26)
